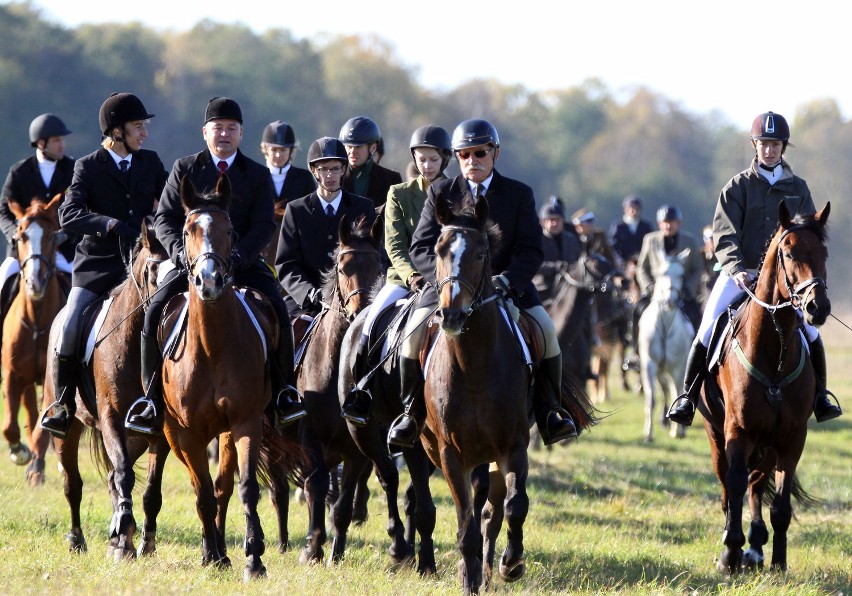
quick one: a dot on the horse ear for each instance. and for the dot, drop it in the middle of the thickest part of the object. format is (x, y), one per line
(55, 202)
(784, 214)
(188, 196)
(442, 209)
(822, 216)
(481, 210)
(15, 208)
(145, 231)
(377, 230)
(223, 185)
(343, 230)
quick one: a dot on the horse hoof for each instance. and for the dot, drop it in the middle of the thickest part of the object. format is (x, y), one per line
(648, 439)
(223, 563)
(20, 454)
(252, 574)
(513, 572)
(307, 557)
(123, 554)
(76, 542)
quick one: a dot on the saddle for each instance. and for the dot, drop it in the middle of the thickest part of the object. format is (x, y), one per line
(13, 284)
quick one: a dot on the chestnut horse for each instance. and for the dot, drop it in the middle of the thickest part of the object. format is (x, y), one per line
(323, 433)
(215, 376)
(768, 391)
(114, 379)
(25, 328)
(476, 392)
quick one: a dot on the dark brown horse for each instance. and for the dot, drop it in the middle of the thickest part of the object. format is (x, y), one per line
(478, 409)
(26, 326)
(114, 377)
(767, 386)
(216, 378)
(323, 433)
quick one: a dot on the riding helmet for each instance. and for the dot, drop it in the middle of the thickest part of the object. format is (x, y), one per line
(359, 130)
(326, 148)
(669, 213)
(435, 137)
(474, 132)
(120, 108)
(278, 133)
(552, 208)
(632, 201)
(223, 108)
(770, 126)
(46, 126)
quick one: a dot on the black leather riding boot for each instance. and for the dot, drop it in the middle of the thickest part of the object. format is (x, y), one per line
(406, 428)
(683, 408)
(65, 389)
(823, 408)
(359, 402)
(150, 420)
(553, 421)
(285, 397)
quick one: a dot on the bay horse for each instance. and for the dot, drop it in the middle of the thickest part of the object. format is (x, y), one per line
(323, 434)
(758, 425)
(215, 375)
(25, 328)
(664, 336)
(477, 397)
(611, 318)
(113, 379)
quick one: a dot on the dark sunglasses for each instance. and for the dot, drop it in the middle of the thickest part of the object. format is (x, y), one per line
(479, 154)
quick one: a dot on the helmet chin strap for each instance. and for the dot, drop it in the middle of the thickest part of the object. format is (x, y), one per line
(44, 153)
(122, 140)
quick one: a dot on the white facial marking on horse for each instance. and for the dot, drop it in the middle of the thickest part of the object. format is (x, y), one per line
(205, 220)
(35, 233)
(457, 249)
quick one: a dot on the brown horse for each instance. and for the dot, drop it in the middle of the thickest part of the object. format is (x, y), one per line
(113, 378)
(215, 377)
(40, 297)
(323, 433)
(759, 424)
(477, 403)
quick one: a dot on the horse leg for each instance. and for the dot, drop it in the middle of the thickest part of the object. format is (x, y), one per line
(353, 474)
(649, 386)
(757, 532)
(468, 536)
(224, 483)
(122, 478)
(512, 564)
(677, 431)
(40, 441)
(736, 481)
(316, 489)
(781, 511)
(67, 451)
(492, 520)
(152, 498)
(362, 495)
(279, 493)
(247, 440)
(13, 388)
(420, 507)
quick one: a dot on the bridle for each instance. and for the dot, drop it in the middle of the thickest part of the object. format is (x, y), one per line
(343, 301)
(223, 264)
(477, 290)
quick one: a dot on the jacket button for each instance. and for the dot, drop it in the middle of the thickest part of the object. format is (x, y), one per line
(98, 234)
(130, 212)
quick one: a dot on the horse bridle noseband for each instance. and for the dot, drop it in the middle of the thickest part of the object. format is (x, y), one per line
(797, 299)
(222, 262)
(344, 300)
(477, 300)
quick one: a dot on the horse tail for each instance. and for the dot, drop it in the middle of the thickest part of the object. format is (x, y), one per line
(803, 497)
(100, 457)
(279, 452)
(575, 399)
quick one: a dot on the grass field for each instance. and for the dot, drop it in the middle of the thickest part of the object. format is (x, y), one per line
(608, 514)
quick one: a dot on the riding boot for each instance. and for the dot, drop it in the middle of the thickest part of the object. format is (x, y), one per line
(553, 421)
(683, 408)
(823, 408)
(285, 397)
(65, 389)
(150, 419)
(359, 402)
(406, 428)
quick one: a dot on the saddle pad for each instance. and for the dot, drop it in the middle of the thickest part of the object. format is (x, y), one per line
(394, 333)
(510, 323)
(92, 337)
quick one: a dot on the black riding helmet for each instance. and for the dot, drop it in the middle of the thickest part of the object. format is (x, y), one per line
(120, 108)
(326, 148)
(669, 213)
(770, 126)
(474, 132)
(46, 126)
(223, 108)
(359, 130)
(279, 133)
(435, 137)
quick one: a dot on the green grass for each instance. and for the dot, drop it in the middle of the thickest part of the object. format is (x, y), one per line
(608, 514)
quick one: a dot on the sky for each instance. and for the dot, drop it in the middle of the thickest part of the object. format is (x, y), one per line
(731, 58)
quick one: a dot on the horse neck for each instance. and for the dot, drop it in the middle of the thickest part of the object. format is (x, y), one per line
(762, 328)
(50, 303)
(480, 331)
(572, 309)
(208, 318)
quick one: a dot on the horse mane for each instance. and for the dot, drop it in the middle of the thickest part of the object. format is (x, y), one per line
(464, 214)
(806, 220)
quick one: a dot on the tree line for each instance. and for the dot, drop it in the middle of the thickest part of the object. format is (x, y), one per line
(579, 143)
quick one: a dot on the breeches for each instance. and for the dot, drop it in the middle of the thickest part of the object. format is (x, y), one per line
(78, 300)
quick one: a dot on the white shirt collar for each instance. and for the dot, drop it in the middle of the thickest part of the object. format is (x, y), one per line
(486, 183)
(335, 202)
(117, 158)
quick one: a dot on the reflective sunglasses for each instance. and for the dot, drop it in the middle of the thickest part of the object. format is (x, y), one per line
(479, 153)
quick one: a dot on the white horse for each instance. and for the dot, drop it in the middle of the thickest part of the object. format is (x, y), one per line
(665, 336)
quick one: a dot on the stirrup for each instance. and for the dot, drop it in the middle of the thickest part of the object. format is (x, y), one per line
(568, 431)
(832, 412)
(136, 410)
(678, 414)
(53, 424)
(400, 442)
(288, 406)
(357, 416)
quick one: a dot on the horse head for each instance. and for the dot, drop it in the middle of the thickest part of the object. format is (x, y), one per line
(462, 263)
(357, 264)
(37, 237)
(668, 279)
(801, 254)
(207, 237)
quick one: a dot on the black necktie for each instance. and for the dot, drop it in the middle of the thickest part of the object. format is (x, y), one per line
(329, 211)
(480, 190)
(123, 165)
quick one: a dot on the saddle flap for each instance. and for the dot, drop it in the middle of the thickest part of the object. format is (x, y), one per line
(722, 331)
(173, 313)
